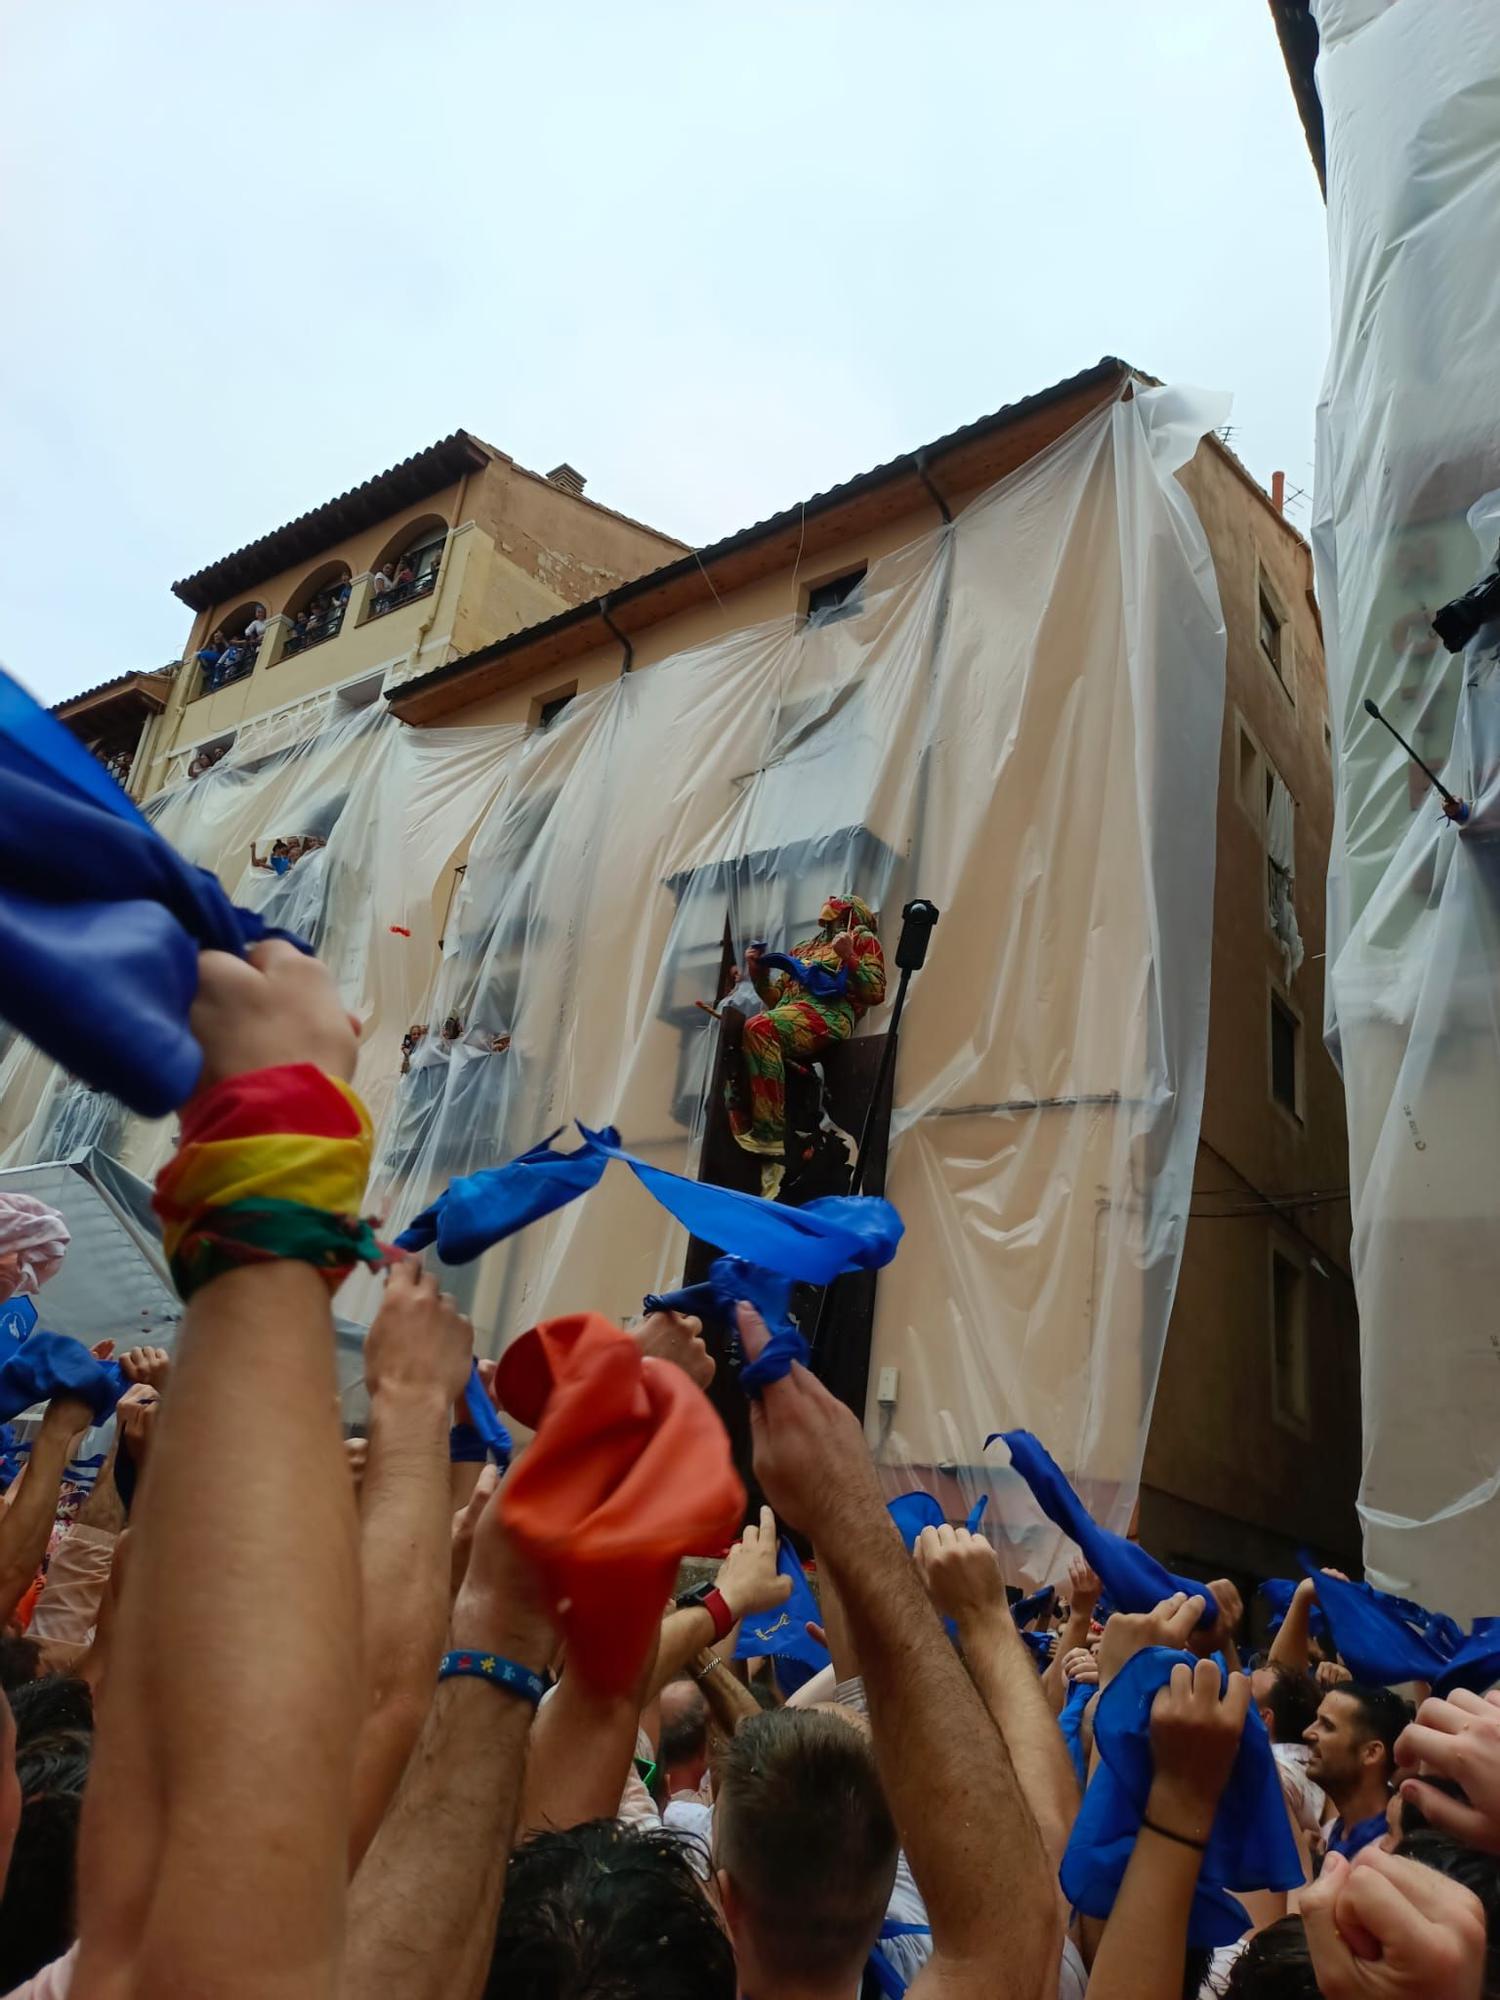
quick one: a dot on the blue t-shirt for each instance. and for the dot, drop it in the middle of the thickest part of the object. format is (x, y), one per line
(1348, 1842)
(280, 863)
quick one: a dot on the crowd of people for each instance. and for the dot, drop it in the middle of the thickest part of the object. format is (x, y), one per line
(395, 582)
(293, 1714)
(285, 852)
(320, 618)
(228, 656)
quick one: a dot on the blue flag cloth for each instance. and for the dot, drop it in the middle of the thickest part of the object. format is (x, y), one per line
(731, 1279)
(12, 1457)
(101, 921)
(1374, 1641)
(466, 1446)
(1250, 1845)
(912, 1512)
(812, 1244)
(783, 1633)
(479, 1210)
(1476, 1663)
(1031, 1607)
(45, 1365)
(1278, 1592)
(1070, 1722)
(818, 980)
(17, 1318)
(1135, 1581)
(485, 1419)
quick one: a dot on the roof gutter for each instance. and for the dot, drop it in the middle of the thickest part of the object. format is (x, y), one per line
(564, 635)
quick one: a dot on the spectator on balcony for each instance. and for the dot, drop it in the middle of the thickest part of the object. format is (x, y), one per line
(406, 576)
(339, 596)
(381, 585)
(278, 861)
(317, 616)
(208, 656)
(255, 631)
(297, 638)
(232, 660)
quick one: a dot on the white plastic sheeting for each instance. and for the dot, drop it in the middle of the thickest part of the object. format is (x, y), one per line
(1019, 718)
(1409, 445)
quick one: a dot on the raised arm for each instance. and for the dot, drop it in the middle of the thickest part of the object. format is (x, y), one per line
(1290, 1648)
(423, 1907)
(1084, 1590)
(964, 1582)
(948, 1775)
(417, 1357)
(1194, 1740)
(748, 1581)
(26, 1525)
(213, 1845)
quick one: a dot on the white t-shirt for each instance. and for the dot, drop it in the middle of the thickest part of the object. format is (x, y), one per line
(1308, 1801)
(255, 629)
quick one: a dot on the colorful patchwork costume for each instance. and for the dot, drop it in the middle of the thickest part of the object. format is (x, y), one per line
(800, 1022)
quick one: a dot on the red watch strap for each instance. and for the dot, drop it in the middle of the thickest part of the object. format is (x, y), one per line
(717, 1607)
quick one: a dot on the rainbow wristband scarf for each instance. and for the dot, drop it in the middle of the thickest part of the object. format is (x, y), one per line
(270, 1165)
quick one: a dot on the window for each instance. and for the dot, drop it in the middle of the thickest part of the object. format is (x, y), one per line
(1290, 1398)
(1272, 631)
(408, 566)
(548, 707)
(838, 598)
(1286, 1056)
(315, 610)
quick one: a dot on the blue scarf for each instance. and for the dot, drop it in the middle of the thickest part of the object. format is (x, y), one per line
(1135, 1581)
(45, 1365)
(782, 1633)
(770, 1247)
(1383, 1639)
(101, 921)
(1250, 1845)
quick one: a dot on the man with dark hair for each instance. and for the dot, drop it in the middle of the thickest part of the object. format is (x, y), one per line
(608, 1910)
(1353, 1742)
(804, 1852)
(682, 1744)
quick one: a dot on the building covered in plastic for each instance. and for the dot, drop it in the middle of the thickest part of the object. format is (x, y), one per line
(991, 673)
(1399, 102)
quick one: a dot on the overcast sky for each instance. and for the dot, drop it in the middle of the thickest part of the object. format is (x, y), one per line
(716, 257)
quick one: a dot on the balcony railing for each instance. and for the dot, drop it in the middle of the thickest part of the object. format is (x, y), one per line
(403, 593)
(313, 633)
(233, 664)
(117, 759)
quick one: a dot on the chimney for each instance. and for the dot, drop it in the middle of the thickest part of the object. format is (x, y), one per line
(565, 476)
(1278, 491)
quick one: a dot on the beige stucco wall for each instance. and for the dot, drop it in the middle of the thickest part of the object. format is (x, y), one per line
(518, 551)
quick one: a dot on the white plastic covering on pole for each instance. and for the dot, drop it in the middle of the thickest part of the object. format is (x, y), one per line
(1408, 448)
(1020, 718)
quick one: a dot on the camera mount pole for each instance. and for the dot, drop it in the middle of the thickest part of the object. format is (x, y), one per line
(1454, 808)
(917, 922)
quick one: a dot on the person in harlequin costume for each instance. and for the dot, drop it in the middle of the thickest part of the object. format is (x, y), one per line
(812, 999)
